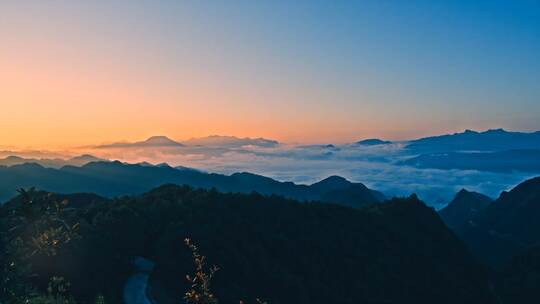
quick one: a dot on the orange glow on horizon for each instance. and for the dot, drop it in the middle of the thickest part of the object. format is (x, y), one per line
(83, 73)
(56, 104)
(49, 104)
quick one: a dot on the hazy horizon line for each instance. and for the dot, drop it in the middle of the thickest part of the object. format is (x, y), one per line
(65, 148)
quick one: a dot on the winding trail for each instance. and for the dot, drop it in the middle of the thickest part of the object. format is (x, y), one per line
(135, 289)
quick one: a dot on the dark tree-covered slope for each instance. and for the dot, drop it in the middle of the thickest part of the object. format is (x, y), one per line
(266, 246)
(507, 226)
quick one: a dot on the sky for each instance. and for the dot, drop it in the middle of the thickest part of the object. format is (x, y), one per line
(84, 72)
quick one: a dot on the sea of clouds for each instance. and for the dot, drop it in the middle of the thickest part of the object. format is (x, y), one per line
(375, 166)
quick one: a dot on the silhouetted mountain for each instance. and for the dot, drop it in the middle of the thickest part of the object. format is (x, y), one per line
(491, 140)
(503, 161)
(152, 142)
(266, 247)
(115, 178)
(230, 141)
(331, 183)
(507, 226)
(463, 208)
(338, 190)
(373, 142)
(49, 162)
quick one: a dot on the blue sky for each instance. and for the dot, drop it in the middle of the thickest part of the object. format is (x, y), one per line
(298, 71)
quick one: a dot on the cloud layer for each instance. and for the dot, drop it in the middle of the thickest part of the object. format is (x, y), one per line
(376, 166)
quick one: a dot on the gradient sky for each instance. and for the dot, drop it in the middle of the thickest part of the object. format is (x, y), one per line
(81, 72)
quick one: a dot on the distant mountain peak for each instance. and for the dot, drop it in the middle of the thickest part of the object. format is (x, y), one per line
(161, 141)
(499, 130)
(491, 140)
(158, 138)
(154, 141)
(373, 142)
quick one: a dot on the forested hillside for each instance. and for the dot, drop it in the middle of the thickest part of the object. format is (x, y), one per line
(266, 247)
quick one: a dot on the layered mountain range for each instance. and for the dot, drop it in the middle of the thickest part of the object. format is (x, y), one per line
(493, 150)
(115, 178)
(469, 140)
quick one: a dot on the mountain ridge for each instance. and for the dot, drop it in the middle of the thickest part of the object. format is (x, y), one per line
(487, 141)
(115, 178)
(373, 142)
